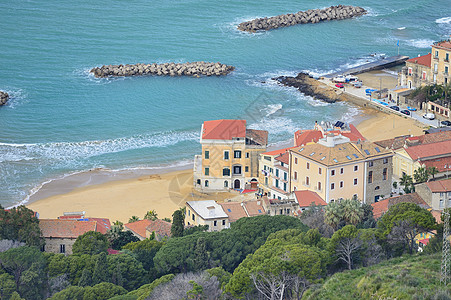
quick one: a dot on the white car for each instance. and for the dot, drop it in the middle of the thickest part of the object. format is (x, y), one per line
(351, 78)
(340, 79)
(429, 116)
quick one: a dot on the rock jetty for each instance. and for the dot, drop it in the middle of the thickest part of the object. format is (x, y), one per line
(338, 12)
(3, 98)
(196, 69)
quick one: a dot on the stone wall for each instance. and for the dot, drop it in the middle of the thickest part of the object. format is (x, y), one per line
(3, 98)
(52, 245)
(339, 12)
(195, 69)
(384, 187)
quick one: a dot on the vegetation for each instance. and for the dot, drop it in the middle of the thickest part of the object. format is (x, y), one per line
(20, 224)
(91, 243)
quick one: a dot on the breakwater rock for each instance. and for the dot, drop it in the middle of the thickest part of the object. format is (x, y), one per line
(338, 12)
(3, 98)
(196, 69)
(311, 87)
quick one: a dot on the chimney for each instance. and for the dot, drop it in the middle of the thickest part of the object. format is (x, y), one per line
(211, 211)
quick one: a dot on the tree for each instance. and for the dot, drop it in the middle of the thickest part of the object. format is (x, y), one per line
(133, 219)
(315, 218)
(91, 243)
(7, 286)
(20, 224)
(407, 182)
(432, 170)
(333, 214)
(346, 243)
(126, 271)
(118, 238)
(395, 184)
(151, 215)
(86, 278)
(103, 291)
(144, 251)
(178, 224)
(201, 257)
(352, 211)
(196, 292)
(409, 220)
(420, 175)
(100, 273)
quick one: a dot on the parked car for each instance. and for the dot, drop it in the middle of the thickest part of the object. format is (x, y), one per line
(405, 111)
(339, 85)
(368, 92)
(411, 108)
(357, 84)
(394, 107)
(351, 78)
(446, 123)
(339, 78)
(429, 116)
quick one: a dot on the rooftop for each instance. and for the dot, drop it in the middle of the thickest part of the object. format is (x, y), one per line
(446, 44)
(207, 209)
(254, 208)
(224, 129)
(234, 210)
(259, 137)
(54, 228)
(424, 60)
(305, 198)
(440, 186)
(160, 227)
(138, 227)
(430, 150)
(379, 208)
(400, 141)
(277, 152)
(284, 157)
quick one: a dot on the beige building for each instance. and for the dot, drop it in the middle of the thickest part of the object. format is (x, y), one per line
(206, 212)
(230, 154)
(437, 194)
(336, 168)
(440, 66)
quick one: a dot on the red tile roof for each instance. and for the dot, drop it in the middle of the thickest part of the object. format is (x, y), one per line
(379, 208)
(437, 215)
(234, 210)
(429, 150)
(71, 217)
(257, 136)
(138, 227)
(160, 227)
(424, 60)
(440, 186)
(354, 135)
(400, 141)
(54, 228)
(277, 152)
(254, 208)
(284, 157)
(443, 44)
(305, 198)
(440, 163)
(224, 129)
(302, 137)
(103, 225)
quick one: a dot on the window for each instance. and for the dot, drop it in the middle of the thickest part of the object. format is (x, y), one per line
(226, 172)
(246, 169)
(237, 154)
(62, 248)
(247, 154)
(207, 171)
(223, 222)
(332, 173)
(355, 155)
(226, 155)
(237, 170)
(355, 181)
(285, 186)
(308, 165)
(266, 180)
(384, 174)
(377, 188)
(385, 161)
(424, 75)
(367, 152)
(319, 171)
(295, 160)
(206, 183)
(447, 57)
(332, 186)
(295, 175)
(342, 170)
(341, 184)
(446, 70)
(441, 203)
(355, 197)
(207, 154)
(226, 183)
(370, 164)
(348, 157)
(42, 248)
(410, 71)
(370, 177)
(356, 168)
(198, 181)
(215, 223)
(277, 172)
(377, 149)
(436, 53)
(285, 176)
(307, 180)
(268, 158)
(319, 186)
(277, 183)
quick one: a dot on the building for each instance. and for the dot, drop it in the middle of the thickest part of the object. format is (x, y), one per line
(60, 234)
(143, 229)
(440, 66)
(411, 153)
(206, 212)
(336, 168)
(306, 198)
(230, 154)
(267, 163)
(238, 210)
(417, 72)
(381, 207)
(436, 193)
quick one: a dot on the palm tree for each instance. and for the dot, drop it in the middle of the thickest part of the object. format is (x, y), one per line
(133, 219)
(420, 175)
(151, 215)
(352, 211)
(432, 171)
(333, 214)
(407, 182)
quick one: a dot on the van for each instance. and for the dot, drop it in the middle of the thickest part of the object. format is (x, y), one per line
(429, 116)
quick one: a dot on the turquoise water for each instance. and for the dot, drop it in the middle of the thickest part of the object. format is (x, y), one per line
(61, 120)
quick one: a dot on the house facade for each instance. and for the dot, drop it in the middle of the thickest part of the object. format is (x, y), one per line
(436, 193)
(206, 212)
(230, 154)
(440, 65)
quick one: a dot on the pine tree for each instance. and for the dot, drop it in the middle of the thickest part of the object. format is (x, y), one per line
(117, 278)
(201, 255)
(178, 224)
(86, 278)
(100, 273)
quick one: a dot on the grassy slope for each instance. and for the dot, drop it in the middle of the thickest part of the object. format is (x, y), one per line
(416, 277)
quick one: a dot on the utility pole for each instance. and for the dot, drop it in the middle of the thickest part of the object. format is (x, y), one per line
(445, 251)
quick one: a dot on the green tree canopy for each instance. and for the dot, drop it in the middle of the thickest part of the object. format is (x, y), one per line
(178, 224)
(91, 242)
(20, 224)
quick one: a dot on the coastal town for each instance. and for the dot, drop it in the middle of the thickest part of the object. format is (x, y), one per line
(342, 210)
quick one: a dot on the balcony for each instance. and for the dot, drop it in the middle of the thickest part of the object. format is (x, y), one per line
(445, 73)
(435, 57)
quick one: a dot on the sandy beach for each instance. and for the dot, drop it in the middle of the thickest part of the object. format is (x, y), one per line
(166, 192)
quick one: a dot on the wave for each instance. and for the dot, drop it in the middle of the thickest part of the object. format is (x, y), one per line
(273, 108)
(445, 20)
(63, 151)
(420, 43)
(231, 30)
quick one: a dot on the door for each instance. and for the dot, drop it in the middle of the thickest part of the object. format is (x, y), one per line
(236, 184)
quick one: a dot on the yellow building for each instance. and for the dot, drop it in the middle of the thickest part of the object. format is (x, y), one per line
(268, 164)
(230, 154)
(206, 212)
(336, 168)
(440, 66)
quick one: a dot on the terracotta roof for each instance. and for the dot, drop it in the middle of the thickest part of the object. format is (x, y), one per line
(71, 217)
(224, 129)
(395, 143)
(277, 152)
(138, 227)
(65, 228)
(305, 198)
(443, 44)
(103, 225)
(379, 208)
(234, 210)
(254, 208)
(258, 136)
(429, 150)
(160, 227)
(440, 186)
(440, 163)
(400, 141)
(284, 157)
(437, 215)
(354, 135)
(424, 60)
(302, 137)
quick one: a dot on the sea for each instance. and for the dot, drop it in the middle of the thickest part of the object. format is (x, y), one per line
(61, 121)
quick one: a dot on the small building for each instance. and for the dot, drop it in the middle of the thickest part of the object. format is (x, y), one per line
(381, 207)
(276, 207)
(416, 73)
(439, 108)
(206, 212)
(60, 235)
(267, 164)
(306, 198)
(238, 210)
(143, 229)
(436, 193)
